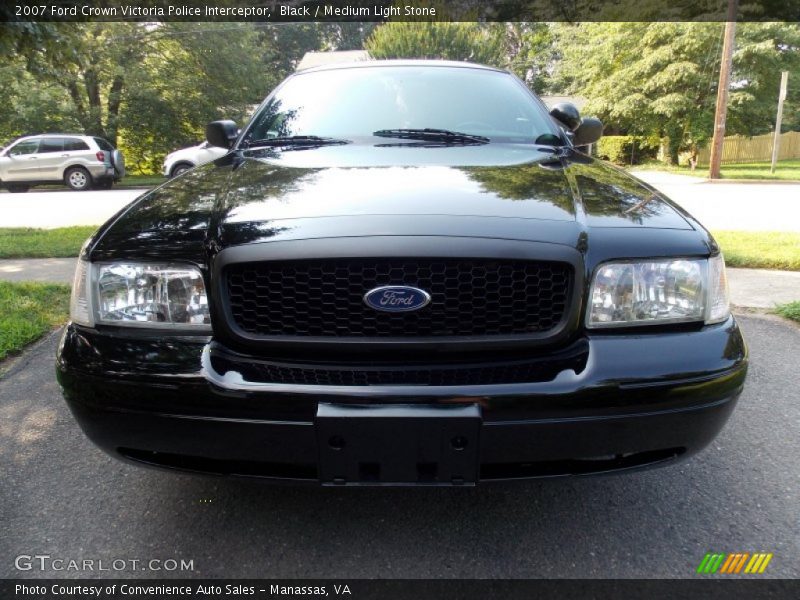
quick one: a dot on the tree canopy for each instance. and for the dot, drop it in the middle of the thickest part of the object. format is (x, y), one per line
(661, 78)
(472, 42)
(148, 87)
(151, 87)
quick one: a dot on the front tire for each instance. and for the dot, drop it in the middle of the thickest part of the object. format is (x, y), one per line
(78, 179)
(16, 188)
(180, 169)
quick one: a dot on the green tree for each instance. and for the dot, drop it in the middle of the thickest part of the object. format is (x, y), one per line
(530, 52)
(192, 73)
(31, 107)
(90, 62)
(345, 35)
(474, 42)
(661, 78)
(149, 88)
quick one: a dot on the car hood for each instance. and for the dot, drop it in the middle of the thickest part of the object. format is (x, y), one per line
(497, 190)
(182, 153)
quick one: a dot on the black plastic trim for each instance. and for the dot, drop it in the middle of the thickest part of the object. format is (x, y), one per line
(395, 247)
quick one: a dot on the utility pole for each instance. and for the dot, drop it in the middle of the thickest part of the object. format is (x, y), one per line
(722, 90)
(776, 141)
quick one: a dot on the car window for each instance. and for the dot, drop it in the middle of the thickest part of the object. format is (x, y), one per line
(74, 144)
(51, 145)
(103, 144)
(27, 147)
(346, 103)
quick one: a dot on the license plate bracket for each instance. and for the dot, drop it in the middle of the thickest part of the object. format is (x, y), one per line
(398, 444)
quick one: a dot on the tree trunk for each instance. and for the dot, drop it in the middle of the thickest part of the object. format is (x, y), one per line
(114, 101)
(674, 140)
(77, 100)
(92, 86)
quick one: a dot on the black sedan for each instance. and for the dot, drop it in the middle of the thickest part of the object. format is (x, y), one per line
(402, 272)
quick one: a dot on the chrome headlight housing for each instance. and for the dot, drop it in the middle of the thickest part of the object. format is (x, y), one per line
(132, 294)
(655, 291)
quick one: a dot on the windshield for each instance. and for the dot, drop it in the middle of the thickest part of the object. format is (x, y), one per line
(357, 102)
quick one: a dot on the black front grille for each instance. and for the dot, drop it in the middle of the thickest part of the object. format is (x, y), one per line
(433, 373)
(324, 298)
(517, 372)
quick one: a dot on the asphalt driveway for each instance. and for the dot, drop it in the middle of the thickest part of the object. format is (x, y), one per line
(62, 497)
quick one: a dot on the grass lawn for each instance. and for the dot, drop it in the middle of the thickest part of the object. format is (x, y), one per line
(790, 311)
(699, 172)
(21, 242)
(757, 250)
(760, 250)
(785, 170)
(28, 311)
(141, 181)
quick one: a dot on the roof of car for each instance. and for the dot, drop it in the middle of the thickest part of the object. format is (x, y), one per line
(42, 135)
(369, 64)
(39, 136)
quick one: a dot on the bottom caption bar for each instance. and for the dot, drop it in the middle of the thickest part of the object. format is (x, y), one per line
(417, 589)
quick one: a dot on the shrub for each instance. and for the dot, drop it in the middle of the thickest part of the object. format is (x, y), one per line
(627, 149)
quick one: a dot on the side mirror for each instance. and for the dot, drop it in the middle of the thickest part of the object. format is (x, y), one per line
(567, 114)
(221, 133)
(588, 132)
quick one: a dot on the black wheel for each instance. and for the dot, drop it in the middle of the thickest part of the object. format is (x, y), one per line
(105, 184)
(16, 188)
(78, 179)
(180, 169)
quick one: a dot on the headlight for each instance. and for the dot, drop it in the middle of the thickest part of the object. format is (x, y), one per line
(718, 298)
(140, 295)
(80, 311)
(658, 291)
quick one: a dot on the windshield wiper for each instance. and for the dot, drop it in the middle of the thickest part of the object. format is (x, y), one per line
(429, 134)
(295, 140)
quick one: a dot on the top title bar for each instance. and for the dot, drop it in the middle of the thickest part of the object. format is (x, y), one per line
(285, 11)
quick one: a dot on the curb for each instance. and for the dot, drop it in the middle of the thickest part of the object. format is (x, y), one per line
(755, 181)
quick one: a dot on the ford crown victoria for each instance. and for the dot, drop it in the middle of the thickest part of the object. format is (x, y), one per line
(402, 272)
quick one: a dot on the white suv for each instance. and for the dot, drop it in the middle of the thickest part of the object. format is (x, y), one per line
(182, 160)
(80, 161)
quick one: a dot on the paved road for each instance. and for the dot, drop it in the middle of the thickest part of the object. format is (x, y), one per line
(62, 208)
(47, 270)
(742, 206)
(61, 496)
(735, 206)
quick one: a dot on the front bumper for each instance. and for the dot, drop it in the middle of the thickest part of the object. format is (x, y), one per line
(636, 400)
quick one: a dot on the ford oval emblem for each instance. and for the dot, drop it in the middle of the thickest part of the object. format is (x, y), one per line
(396, 298)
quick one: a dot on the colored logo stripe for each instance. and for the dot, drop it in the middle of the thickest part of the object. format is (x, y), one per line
(710, 563)
(758, 563)
(734, 562)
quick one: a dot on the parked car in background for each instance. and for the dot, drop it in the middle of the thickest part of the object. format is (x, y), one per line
(182, 160)
(82, 162)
